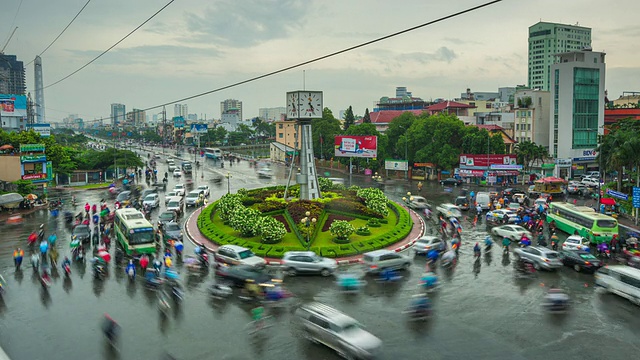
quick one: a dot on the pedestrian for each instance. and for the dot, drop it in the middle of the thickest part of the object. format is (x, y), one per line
(419, 186)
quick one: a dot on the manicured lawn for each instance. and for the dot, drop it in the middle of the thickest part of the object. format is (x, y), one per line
(325, 238)
(92, 186)
(289, 239)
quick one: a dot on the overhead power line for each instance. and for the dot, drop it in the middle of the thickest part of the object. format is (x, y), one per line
(441, 19)
(62, 32)
(111, 47)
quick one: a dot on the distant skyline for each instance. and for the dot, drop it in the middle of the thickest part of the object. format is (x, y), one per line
(199, 45)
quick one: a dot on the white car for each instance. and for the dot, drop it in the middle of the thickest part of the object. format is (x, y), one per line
(169, 195)
(513, 232)
(205, 189)
(503, 215)
(575, 242)
(265, 173)
(177, 173)
(179, 189)
(172, 166)
(151, 200)
(175, 204)
(426, 244)
(592, 182)
(449, 210)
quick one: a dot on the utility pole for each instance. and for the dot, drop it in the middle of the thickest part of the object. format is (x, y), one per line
(164, 127)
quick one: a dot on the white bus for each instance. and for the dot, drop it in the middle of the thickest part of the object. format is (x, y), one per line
(213, 153)
(134, 232)
(621, 280)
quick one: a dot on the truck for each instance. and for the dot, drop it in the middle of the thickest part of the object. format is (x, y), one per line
(186, 167)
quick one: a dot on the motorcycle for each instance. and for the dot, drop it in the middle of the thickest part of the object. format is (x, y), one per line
(554, 245)
(218, 291)
(67, 269)
(203, 257)
(35, 262)
(556, 301)
(131, 271)
(177, 293)
(99, 271)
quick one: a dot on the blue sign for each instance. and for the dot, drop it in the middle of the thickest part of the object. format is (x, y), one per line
(178, 122)
(586, 158)
(618, 195)
(636, 197)
(199, 128)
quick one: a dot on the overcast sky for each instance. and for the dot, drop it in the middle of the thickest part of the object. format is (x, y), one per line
(195, 46)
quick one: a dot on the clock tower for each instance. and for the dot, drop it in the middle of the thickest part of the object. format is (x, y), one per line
(304, 106)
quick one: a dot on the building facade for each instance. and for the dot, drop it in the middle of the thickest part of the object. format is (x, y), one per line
(231, 104)
(272, 114)
(532, 112)
(287, 133)
(118, 114)
(546, 40)
(180, 110)
(577, 108)
(12, 75)
(137, 118)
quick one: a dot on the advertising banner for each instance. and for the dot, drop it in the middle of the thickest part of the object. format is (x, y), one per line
(617, 194)
(33, 158)
(49, 170)
(31, 147)
(485, 160)
(34, 176)
(43, 129)
(506, 167)
(13, 105)
(178, 122)
(391, 164)
(199, 128)
(356, 146)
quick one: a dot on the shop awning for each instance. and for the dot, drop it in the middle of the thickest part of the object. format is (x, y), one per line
(607, 201)
(507, 172)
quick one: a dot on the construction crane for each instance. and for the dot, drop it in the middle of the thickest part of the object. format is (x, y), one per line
(9, 39)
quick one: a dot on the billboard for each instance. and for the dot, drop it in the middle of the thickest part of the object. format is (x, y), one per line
(43, 129)
(484, 160)
(199, 128)
(13, 105)
(178, 122)
(390, 164)
(356, 146)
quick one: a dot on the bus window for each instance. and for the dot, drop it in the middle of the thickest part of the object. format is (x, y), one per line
(606, 223)
(141, 238)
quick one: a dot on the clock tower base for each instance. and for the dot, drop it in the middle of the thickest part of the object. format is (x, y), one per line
(308, 177)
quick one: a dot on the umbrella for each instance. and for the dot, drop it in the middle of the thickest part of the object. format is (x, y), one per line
(31, 197)
(104, 255)
(6, 147)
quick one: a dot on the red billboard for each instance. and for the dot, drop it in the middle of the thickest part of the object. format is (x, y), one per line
(356, 146)
(34, 176)
(487, 160)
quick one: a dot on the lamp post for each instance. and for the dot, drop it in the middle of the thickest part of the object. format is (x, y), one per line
(307, 221)
(228, 176)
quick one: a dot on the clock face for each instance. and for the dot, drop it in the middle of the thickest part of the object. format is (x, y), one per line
(293, 105)
(311, 104)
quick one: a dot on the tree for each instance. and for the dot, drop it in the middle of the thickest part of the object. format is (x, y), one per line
(366, 119)
(620, 148)
(436, 139)
(324, 132)
(529, 152)
(349, 119)
(397, 128)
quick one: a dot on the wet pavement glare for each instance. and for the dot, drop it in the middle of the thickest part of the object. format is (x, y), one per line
(481, 311)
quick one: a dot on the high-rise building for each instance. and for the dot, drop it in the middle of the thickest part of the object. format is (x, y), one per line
(546, 40)
(137, 117)
(531, 109)
(180, 110)
(37, 70)
(577, 108)
(118, 113)
(12, 76)
(272, 114)
(231, 104)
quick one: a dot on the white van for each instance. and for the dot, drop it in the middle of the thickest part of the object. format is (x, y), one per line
(484, 200)
(621, 280)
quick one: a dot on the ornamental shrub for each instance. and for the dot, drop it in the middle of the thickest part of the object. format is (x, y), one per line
(375, 200)
(269, 206)
(363, 231)
(325, 184)
(341, 229)
(373, 222)
(227, 204)
(272, 230)
(246, 221)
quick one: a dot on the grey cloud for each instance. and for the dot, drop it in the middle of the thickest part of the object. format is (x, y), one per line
(247, 22)
(148, 54)
(458, 41)
(442, 54)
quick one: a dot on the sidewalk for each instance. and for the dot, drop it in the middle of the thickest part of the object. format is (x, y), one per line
(195, 236)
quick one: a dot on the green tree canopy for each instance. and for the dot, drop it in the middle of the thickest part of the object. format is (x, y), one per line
(367, 117)
(326, 129)
(349, 118)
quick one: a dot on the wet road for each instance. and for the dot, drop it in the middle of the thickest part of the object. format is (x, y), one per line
(481, 311)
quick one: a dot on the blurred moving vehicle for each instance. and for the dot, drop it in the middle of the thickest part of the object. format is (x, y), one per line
(580, 260)
(307, 262)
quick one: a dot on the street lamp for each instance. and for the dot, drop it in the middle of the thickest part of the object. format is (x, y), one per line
(228, 176)
(307, 222)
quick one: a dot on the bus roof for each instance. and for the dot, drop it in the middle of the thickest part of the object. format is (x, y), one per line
(133, 218)
(625, 270)
(587, 211)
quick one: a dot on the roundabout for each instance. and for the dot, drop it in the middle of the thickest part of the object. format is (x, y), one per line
(343, 225)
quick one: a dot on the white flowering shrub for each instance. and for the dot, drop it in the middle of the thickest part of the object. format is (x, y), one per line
(272, 230)
(227, 204)
(341, 229)
(375, 200)
(246, 221)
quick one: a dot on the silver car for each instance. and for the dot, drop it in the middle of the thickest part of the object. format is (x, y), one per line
(541, 257)
(308, 262)
(323, 324)
(426, 244)
(379, 260)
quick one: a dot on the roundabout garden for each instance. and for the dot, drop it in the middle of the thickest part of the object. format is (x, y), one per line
(344, 222)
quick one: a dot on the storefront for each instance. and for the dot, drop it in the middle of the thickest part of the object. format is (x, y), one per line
(423, 171)
(547, 169)
(491, 169)
(582, 165)
(504, 174)
(563, 168)
(34, 166)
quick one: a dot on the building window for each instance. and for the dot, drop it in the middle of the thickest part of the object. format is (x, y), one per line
(586, 102)
(279, 126)
(280, 135)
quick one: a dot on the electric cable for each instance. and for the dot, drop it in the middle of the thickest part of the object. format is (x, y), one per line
(111, 47)
(62, 32)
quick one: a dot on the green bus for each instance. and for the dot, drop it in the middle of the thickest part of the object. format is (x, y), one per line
(595, 227)
(134, 232)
